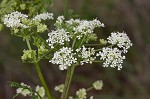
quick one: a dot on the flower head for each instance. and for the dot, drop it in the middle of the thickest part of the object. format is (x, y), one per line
(40, 91)
(81, 93)
(60, 19)
(87, 54)
(112, 56)
(43, 16)
(121, 39)
(58, 37)
(24, 91)
(64, 57)
(98, 85)
(91, 97)
(59, 88)
(83, 27)
(13, 20)
(41, 28)
(28, 55)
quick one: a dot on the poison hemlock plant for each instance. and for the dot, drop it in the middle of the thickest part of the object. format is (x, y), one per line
(68, 46)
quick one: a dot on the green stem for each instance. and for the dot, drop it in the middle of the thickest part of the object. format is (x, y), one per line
(73, 42)
(68, 80)
(40, 73)
(48, 30)
(90, 88)
(38, 94)
(43, 81)
(92, 44)
(102, 48)
(28, 44)
(97, 61)
(70, 72)
(65, 8)
(69, 75)
(98, 50)
(82, 41)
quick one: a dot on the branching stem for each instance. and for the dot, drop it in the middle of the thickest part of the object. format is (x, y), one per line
(43, 80)
(40, 73)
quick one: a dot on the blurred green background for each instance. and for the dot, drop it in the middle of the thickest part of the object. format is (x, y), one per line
(132, 82)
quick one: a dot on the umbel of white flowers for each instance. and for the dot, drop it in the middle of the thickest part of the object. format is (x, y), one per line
(65, 33)
(15, 19)
(40, 91)
(112, 56)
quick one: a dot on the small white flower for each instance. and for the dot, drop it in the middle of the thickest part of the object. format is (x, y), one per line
(59, 36)
(121, 39)
(102, 41)
(98, 85)
(59, 88)
(72, 21)
(43, 16)
(23, 91)
(64, 58)
(60, 19)
(87, 55)
(91, 97)
(81, 93)
(13, 20)
(83, 27)
(40, 91)
(70, 97)
(112, 57)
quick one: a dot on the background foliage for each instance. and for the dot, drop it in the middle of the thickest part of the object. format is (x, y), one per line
(132, 82)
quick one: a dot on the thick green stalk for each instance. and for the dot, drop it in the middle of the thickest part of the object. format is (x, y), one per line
(40, 73)
(43, 81)
(68, 80)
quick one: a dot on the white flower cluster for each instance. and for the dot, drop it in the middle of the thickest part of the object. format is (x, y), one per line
(59, 88)
(72, 21)
(84, 27)
(40, 91)
(26, 91)
(81, 93)
(16, 19)
(98, 85)
(23, 91)
(60, 19)
(58, 37)
(13, 20)
(64, 58)
(78, 28)
(112, 57)
(87, 54)
(43, 16)
(121, 39)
